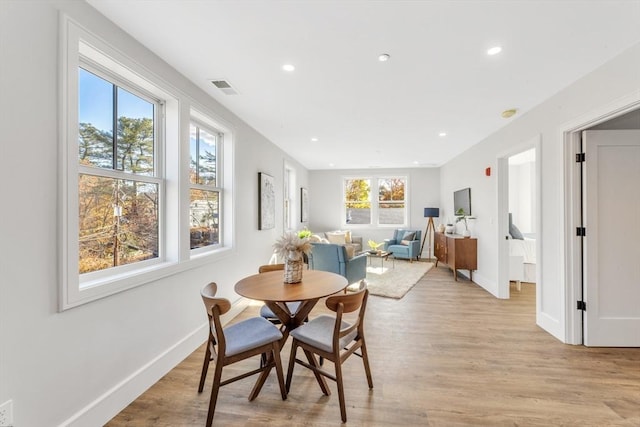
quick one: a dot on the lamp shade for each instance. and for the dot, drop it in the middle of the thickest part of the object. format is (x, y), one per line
(431, 212)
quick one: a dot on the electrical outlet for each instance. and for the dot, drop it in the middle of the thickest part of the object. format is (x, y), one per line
(6, 414)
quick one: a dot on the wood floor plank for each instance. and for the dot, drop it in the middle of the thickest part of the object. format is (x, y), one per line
(464, 358)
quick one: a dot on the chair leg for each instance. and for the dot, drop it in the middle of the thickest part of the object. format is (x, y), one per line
(321, 381)
(365, 361)
(205, 367)
(279, 373)
(343, 406)
(217, 376)
(263, 360)
(292, 362)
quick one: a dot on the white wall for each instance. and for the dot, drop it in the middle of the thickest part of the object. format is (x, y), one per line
(522, 196)
(325, 199)
(615, 80)
(89, 361)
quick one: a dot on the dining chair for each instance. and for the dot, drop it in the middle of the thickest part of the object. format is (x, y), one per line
(250, 337)
(334, 339)
(265, 311)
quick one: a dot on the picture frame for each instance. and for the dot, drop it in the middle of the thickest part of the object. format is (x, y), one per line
(266, 201)
(304, 205)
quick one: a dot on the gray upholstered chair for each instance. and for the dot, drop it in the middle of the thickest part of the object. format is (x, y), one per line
(333, 258)
(334, 339)
(404, 244)
(250, 337)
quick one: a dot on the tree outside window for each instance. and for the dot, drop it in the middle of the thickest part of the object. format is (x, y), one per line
(391, 202)
(390, 208)
(204, 206)
(357, 201)
(117, 190)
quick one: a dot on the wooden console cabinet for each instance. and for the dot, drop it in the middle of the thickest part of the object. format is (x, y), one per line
(458, 252)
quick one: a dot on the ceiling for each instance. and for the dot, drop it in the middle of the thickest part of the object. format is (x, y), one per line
(363, 112)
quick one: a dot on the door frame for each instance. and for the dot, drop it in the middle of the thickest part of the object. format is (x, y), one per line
(503, 214)
(570, 134)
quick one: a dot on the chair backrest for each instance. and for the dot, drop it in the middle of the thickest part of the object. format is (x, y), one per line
(328, 257)
(208, 294)
(351, 301)
(348, 303)
(215, 308)
(399, 234)
(270, 267)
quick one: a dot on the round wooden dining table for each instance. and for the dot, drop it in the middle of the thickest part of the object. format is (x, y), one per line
(270, 288)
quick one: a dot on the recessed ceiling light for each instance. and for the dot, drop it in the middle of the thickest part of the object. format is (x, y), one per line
(288, 67)
(494, 50)
(442, 134)
(415, 162)
(384, 57)
(509, 113)
(314, 139)
(331, 165)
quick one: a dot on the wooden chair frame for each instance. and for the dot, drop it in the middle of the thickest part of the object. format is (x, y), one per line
(340, 304)
(215, 308)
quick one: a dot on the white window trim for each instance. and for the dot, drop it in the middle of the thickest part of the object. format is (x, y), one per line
(374, 201)
(76, 42)
(219, 187)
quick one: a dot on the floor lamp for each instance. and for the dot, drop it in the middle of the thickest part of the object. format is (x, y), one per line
(429, 213)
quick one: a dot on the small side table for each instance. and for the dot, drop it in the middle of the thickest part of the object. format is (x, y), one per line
(384, 256)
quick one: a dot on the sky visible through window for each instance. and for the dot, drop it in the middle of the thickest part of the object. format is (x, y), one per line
(96, 102)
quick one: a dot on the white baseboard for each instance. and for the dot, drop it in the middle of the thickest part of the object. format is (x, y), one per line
(114, 400)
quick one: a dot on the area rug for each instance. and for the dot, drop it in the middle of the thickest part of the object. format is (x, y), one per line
(395, 281)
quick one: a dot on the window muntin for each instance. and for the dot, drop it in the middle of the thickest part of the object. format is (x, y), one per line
(389, 209)
(205, 193)
(118, 192)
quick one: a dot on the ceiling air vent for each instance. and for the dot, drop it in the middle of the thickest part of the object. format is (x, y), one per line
(224, 86)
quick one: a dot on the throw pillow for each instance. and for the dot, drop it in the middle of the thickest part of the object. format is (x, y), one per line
(347, 237)
(405, 242)
(337, 238)
(409, 235)
(350, 250)
(515, 232)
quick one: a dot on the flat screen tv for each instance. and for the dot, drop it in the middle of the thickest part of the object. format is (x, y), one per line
(462, 200)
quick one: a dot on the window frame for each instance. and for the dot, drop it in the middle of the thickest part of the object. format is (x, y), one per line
(78, 45)
(219, 187)
(91, 278)
(374, 201)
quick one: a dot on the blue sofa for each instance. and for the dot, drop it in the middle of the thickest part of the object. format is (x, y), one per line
(409, 251)
(333, 257)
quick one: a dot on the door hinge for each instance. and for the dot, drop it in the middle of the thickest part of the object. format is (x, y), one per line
(581, 305)
(581, 231)
(580, 157)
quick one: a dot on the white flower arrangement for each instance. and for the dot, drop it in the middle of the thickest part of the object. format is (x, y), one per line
(291, 247)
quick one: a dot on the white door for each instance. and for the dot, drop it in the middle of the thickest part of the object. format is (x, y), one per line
(611, 254)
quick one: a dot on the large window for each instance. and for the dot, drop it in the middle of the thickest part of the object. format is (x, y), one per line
(389, 208)
(205, 189)
(142, 194)
(118, 189)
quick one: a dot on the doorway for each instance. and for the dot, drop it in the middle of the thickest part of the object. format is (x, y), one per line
(519, 217)
(600, 284)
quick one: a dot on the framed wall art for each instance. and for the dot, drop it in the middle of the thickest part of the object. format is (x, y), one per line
(266, 202)
(304, 205)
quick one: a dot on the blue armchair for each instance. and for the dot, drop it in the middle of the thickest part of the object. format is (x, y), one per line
(410, 249)
(333, 257)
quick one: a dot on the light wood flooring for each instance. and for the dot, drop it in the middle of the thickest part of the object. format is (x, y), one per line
(447, 354)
